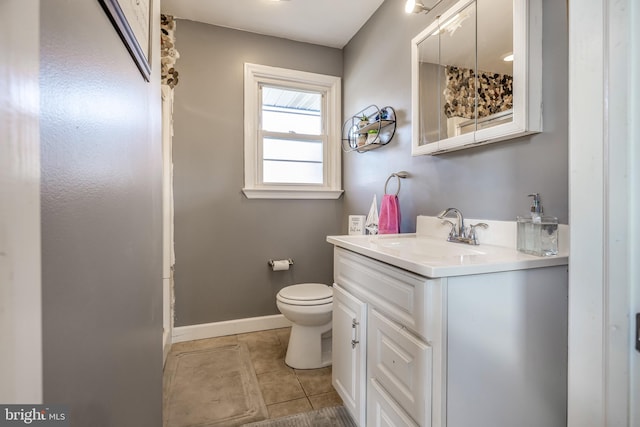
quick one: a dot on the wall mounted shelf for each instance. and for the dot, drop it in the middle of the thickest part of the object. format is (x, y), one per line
(368, 129)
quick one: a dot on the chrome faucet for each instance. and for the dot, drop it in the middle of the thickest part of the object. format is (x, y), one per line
(456, 230)
(459, 233)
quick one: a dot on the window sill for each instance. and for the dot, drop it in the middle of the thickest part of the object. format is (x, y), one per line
(288, 193)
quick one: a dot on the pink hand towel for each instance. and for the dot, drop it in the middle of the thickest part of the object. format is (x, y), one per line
(389, 222)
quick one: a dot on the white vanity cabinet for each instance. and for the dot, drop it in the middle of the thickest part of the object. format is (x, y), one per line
(389, 373)
(487, 349)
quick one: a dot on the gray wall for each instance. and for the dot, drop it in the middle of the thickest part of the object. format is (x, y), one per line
(101, 221)
(223, 240)
(485, 182)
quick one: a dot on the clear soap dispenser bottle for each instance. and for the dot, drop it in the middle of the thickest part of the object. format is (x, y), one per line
(537, 234)
(536, 208)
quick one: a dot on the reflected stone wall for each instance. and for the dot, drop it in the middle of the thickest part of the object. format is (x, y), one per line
(495, 93)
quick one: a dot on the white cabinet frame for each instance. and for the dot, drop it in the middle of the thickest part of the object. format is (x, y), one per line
(527, 83)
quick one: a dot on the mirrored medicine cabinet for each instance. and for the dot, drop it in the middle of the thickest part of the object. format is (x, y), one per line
(477, 75)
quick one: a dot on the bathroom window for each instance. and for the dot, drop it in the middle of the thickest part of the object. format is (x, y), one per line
(292, 134)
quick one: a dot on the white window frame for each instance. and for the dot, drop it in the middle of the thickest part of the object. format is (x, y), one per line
(256, 75)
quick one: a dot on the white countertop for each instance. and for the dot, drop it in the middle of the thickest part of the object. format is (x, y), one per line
(424, 254)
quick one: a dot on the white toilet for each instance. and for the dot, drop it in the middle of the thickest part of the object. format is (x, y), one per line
(309, 307)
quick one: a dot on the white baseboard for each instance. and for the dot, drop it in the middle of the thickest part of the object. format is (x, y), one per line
(228, 327)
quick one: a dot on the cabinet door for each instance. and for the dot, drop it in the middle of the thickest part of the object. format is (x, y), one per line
(383, 411)
(349, 351)
(401, 364)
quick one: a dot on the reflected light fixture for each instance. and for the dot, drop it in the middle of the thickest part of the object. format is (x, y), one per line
(415, 6)
(452, 24)
(508, 57)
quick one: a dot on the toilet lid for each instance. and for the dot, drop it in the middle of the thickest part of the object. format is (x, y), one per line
(309, 293)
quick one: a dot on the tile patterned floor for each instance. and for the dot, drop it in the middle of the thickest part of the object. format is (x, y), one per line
(286, 391)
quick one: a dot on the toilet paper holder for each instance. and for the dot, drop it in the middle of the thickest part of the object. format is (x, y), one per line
(289, 260)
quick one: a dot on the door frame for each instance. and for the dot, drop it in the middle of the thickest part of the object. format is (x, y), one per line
(20, 242)
(168, 255)
(603, 173)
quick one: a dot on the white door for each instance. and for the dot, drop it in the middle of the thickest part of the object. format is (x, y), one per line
(635, 214)
(349, 344)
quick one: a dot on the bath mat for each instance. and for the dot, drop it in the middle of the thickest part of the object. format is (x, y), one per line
(336, 416)
(212, 387)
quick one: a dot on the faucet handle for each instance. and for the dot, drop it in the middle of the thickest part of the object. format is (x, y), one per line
(453, 232)
(473, 236)
(480, 224)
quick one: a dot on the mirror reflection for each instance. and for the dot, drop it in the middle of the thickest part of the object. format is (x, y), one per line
(465, 83)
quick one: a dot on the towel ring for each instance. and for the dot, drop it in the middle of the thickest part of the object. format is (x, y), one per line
(398, 175)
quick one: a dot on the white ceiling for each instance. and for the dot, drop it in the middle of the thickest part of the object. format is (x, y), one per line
(325, 22)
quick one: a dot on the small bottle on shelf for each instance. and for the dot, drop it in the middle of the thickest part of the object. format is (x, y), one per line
(372, 135)
(364, 120)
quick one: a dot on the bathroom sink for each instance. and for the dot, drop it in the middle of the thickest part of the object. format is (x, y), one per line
(430, 248)
(433, 256)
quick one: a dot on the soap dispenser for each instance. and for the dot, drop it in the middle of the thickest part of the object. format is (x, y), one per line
(536, 208)
(537, 234)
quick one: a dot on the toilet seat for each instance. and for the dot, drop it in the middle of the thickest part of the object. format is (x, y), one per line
(306, 294)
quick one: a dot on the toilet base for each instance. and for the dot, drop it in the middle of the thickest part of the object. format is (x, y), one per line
(309, 347)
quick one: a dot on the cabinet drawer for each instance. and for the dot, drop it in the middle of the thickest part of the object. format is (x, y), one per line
(401, 364)
(412, 300)
(383, 411)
